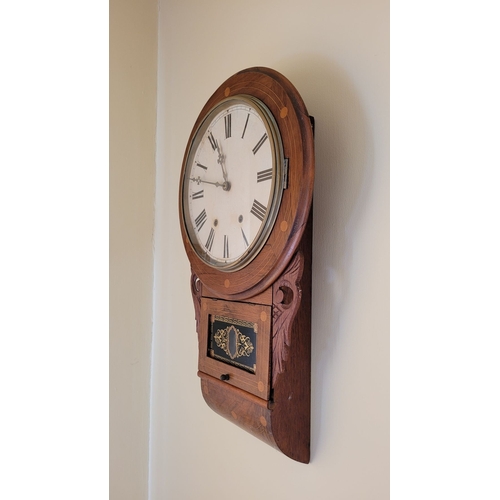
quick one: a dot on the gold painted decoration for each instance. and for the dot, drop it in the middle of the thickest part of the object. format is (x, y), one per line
(233, 342)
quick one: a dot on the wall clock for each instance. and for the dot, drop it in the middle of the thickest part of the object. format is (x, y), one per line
(246, 221)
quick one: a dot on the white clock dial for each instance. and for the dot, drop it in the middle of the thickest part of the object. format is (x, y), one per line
(233, 183)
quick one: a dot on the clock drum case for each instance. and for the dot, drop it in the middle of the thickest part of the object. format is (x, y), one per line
(245, 207)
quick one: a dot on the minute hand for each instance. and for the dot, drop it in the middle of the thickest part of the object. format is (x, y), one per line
(199, 179)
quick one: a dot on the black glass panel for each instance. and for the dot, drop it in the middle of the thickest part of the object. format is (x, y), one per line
(233, 341)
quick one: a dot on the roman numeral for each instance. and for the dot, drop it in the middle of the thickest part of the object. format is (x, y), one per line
(197, 195)
(259, 144)
(227, 123)
(226, 247)
(201, 166)
(259, 210)
(265, 175)
(245, 129)
(210, 240)
(200, 220)
(244, 238)
(213, 142)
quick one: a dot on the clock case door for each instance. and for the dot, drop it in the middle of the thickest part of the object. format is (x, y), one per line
(274, 402)
(235, 344)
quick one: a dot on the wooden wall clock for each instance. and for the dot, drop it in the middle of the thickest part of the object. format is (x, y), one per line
(246, 221)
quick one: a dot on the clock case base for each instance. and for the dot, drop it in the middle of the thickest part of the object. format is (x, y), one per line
(283, 419)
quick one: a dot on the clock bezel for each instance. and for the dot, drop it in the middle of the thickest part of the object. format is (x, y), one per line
(287, 107)
(275, 193)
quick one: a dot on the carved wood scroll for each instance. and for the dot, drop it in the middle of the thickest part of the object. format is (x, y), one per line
(196, 292)
(287, 295)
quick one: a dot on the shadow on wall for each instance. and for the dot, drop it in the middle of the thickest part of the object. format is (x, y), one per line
(344, 169)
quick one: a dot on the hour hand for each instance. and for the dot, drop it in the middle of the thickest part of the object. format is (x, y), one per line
(221, 161)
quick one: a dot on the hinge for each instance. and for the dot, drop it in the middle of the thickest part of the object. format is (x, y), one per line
(285, 173)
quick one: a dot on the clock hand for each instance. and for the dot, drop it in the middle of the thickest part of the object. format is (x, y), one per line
(221, 161)
(226, 186)
(199, 179)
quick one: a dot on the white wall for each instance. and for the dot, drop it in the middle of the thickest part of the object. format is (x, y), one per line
(337, 55)
(133, 63)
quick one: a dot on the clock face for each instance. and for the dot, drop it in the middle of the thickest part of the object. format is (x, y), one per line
(233, 182)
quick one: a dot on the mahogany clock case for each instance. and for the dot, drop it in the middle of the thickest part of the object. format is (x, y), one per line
(262, 310)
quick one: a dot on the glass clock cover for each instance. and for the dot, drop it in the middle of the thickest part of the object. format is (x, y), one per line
(233, 182)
